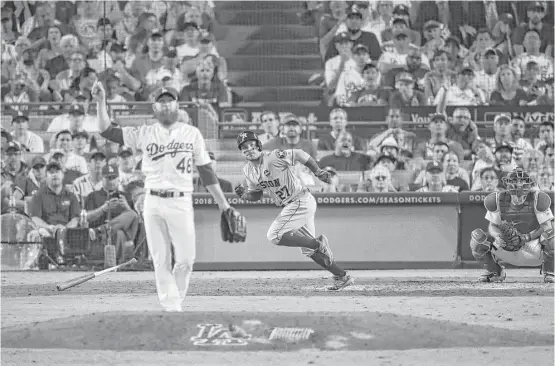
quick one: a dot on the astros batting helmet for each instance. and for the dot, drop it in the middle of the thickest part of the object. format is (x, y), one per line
(248, 136)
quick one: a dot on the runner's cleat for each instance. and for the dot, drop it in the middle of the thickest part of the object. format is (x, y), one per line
(339, 283)
(548, 277)
(493, 276)
(325, 248)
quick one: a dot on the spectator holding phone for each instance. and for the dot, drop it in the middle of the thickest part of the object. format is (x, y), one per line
(110, 210)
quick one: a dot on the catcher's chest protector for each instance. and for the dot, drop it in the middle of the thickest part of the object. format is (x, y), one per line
(524, 218)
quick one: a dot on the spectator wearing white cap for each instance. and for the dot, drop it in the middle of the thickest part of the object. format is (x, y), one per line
(390, 147)
(503, 134)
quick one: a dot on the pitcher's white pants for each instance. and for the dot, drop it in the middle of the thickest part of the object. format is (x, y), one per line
(170, 221)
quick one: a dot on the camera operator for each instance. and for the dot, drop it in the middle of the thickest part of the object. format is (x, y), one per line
(110, 210)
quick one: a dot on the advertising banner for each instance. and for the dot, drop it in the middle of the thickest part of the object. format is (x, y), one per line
(416, 115)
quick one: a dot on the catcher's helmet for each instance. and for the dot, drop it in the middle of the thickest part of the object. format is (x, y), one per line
(248, 136)
(519, 183)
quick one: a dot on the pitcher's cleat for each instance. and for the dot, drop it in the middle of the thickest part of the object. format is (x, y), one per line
(548, 277)
(339, 283)
(325, 248)
(493, 276)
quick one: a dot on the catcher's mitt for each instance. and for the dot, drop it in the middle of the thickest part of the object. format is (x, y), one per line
(233, 226)
(513, 239)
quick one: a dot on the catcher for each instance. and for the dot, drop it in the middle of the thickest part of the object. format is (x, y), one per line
(272, 172)
(520, 229)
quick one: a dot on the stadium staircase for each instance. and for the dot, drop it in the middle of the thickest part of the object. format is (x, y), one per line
(272, 62)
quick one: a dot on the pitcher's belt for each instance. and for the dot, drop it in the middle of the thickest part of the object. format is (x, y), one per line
(167, 194)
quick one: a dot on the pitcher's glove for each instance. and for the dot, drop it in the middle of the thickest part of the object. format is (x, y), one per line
(323, 175)
(233, 226)
(513, 239)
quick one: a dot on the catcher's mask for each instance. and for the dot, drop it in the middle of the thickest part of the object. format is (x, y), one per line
(248, 136)
(519, 184)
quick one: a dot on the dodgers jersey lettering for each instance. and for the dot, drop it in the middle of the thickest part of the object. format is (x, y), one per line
(168, 154)
(274, 175)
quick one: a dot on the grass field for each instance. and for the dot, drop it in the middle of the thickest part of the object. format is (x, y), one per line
(411, 317)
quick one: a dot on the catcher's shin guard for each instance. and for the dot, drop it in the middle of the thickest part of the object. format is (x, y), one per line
(480, 244)
(547, 243)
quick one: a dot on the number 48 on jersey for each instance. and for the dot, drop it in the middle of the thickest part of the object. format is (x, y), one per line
(185, 165)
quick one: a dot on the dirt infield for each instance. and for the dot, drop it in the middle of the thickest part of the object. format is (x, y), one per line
(414, 317)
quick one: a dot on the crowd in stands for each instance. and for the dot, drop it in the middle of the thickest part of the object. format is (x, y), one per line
(54, 50)
(438, 53)
(454, 157)
(390, 54)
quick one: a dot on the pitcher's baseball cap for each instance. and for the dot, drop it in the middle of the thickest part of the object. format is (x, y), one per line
(76, 110)
(110, 171)
(165, 91)
(434, 167)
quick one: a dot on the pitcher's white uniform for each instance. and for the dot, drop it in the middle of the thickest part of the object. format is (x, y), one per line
(275, 175)
(169, 156)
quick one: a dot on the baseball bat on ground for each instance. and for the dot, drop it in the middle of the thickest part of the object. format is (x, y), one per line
(81, 279)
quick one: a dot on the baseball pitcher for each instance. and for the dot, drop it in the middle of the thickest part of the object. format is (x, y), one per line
(170, 151)
(520, 229)
(272, 172)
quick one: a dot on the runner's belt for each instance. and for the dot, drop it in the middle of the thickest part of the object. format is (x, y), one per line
(166, 194)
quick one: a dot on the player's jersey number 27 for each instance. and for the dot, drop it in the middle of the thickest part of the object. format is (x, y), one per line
(283, 193)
